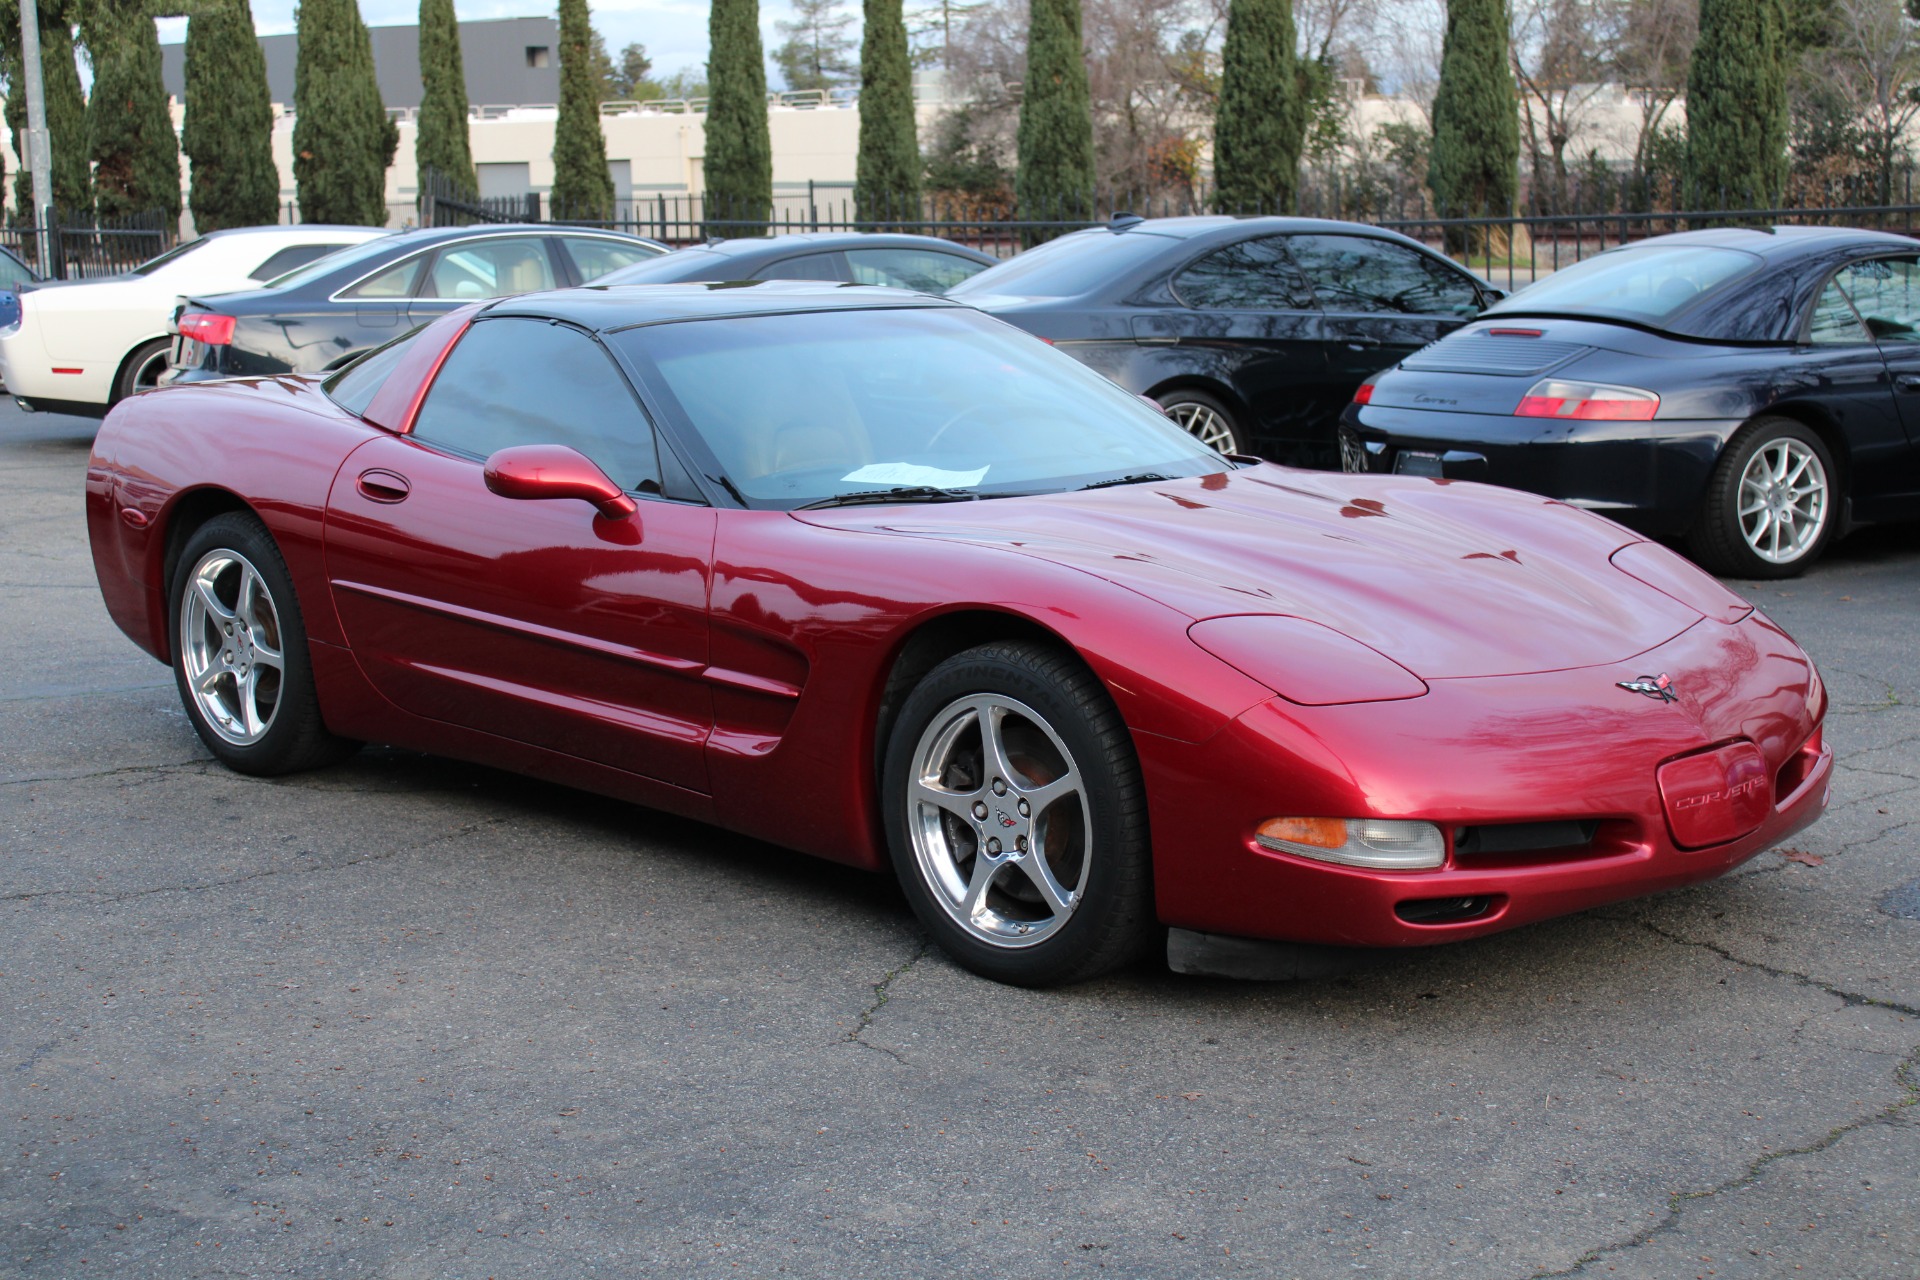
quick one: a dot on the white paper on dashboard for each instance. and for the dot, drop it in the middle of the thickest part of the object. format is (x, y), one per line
(905, 473)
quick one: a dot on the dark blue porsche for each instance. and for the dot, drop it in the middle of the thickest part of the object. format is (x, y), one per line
(1752, 391)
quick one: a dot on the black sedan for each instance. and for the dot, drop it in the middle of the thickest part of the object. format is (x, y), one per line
(1753, 391)
(325, 314)
(1251, 332)
(921, 263)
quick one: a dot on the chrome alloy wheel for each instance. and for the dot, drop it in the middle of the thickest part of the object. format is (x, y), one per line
(1205, 425)
(1783, 500)
(997, 811)
(230, 646)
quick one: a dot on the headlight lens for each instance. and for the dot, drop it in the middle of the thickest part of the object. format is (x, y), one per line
(1383, 844)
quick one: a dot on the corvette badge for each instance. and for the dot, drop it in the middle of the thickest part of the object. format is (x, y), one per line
(1652, 686)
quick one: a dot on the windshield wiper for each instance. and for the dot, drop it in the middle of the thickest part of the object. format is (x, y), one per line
(901, 493)
(1145, 477)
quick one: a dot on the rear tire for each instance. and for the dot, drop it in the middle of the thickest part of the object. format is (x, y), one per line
(1204, 418)
(1016, 817)
(240, 654)
(1771, 505)
(141, 371)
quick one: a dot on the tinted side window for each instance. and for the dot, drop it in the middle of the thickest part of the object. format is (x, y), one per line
(1251, 275)
(514, 381)
(593, 258)
(1886, 292)
(355, 386)
(394, 282)
(1356, 273)
(814, 266)
(925, 270)
(490, 269)
(291, 258)
(1834, 321)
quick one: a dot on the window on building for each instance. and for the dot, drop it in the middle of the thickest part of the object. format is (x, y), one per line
(539, 55)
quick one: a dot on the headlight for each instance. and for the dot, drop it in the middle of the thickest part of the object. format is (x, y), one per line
(1305, 662)
(1383, 844)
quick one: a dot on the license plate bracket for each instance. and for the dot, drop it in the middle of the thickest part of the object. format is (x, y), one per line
(1715, 796)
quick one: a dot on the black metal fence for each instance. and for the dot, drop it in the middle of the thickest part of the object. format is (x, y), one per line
(83, 247)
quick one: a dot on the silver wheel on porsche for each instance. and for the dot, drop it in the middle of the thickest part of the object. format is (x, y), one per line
(1783, 500)
(231, 646)
(1206, 424)
(999, 820)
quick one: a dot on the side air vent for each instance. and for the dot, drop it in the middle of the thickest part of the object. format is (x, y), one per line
(1525, 837)
(1483, 353)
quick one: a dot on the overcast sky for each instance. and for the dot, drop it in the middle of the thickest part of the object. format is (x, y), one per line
(674, 31)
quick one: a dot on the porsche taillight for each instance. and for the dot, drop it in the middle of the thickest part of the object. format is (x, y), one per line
(208, 327)
(1363, 394)
(1587, 402)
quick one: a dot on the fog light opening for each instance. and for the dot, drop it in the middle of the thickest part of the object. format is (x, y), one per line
(1444, 910)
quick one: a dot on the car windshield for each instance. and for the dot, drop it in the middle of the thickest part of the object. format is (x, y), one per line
(668, 268)
(168, 258)
(1067, 267)
(803, 408)
(333, 262)
(1650, 283)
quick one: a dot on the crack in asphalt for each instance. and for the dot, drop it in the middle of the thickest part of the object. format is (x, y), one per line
(417, 846)
(882, 992)
(122, 771)
(1677, 1202)
(1806, 980)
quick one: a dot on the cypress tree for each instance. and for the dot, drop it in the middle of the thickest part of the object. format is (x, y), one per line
(1261, 124)
(66, 110)
(582, 188)
(887, 172)
(1055, 177)
(440, 140)
(1737, 106)
(342, 139)
(228, 134)
(136, 155)
(739, 162)
(1475, 163)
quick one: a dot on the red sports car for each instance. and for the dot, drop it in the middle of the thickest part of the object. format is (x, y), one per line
(881, 579)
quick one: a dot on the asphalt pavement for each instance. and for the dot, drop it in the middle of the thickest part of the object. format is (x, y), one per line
(414, 1018)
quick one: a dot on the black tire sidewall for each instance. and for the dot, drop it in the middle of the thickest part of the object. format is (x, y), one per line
(1103, 929)
(123, 382)
(1720, 542)
(290, 741)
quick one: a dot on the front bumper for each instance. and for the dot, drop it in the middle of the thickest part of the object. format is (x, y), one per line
(1650, 476)
(1472, 756)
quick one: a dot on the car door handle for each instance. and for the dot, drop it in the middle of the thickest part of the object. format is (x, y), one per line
(1362, 344)
(381, 485)
(1907, 381)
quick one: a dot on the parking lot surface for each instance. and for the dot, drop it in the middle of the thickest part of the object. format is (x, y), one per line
(413, 1018)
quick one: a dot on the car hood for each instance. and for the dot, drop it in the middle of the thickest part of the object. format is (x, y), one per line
(1446, 578)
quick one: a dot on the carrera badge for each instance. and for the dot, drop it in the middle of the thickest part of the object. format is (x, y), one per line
(1652, 686)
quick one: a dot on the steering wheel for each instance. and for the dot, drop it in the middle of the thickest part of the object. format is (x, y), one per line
(950, 423)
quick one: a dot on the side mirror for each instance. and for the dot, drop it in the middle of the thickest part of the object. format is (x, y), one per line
(555, 471)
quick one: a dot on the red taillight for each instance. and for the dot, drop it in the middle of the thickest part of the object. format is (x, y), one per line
(1363, 394)
(1587, 401)
(207, 327)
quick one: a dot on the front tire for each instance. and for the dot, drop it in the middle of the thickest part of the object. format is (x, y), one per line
(1202, 417)
(240, 652)
(1772, 504)
(1016, 817)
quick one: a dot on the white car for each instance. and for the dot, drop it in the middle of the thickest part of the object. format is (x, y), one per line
(82, 347)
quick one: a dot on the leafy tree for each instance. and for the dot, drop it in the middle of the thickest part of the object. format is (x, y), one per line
(66, 108)
(136, 154)
(887, 172)
(229, 126)
(739, 161)
(582, 187)
(343, 140)
(818, 53)
(440, 141)
(1262, 119)
(1055, 177)
(1737, 106)
(1474, 165)
(625, 79)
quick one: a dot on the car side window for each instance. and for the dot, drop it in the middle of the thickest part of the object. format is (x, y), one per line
(593, 257)
(354, 387)
(1834, 322)
(291, 258)
(925, 270)
(1886, 293)
(512, 381)
(395, 282)
(1253, 275)
(1361, 274)
(814, 266)
(490, 269)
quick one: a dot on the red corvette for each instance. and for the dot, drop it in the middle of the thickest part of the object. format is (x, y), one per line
(880, 579)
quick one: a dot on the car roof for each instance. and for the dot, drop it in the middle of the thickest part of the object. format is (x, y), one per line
(603, 308)
(434, 235)
(1783, 241)
(1198, 226)
(825, 240)
(296, 229)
